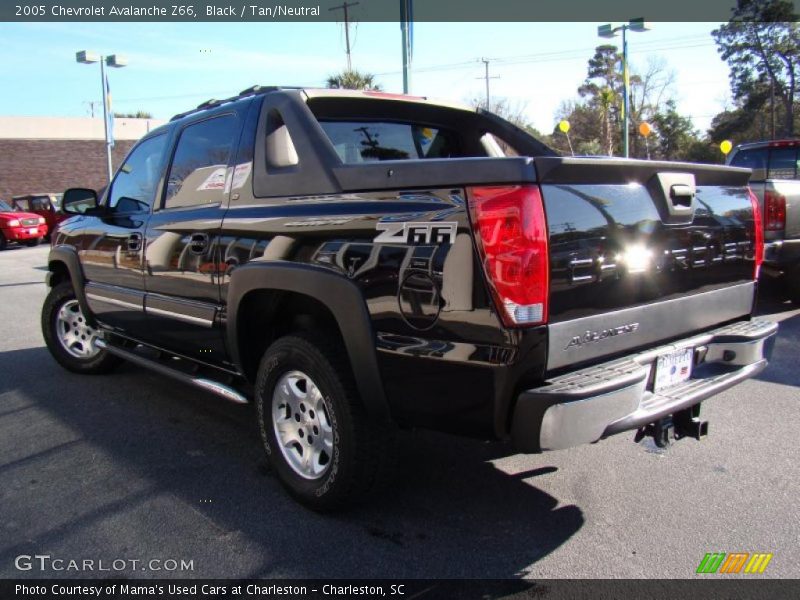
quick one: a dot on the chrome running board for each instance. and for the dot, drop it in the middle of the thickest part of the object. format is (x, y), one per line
(209, 385)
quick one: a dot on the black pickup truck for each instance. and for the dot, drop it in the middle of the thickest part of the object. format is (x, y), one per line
(355, 262)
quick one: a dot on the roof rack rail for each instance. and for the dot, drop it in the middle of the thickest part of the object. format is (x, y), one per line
(251, 91)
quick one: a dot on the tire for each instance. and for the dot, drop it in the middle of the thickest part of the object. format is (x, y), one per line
(3, 242)
(32, 243)
(69, 338)
(351, 457)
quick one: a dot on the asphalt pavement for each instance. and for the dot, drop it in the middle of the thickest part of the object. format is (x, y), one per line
(136, 467)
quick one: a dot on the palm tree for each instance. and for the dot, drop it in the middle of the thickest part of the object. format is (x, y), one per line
(606, 99)
(353, 80)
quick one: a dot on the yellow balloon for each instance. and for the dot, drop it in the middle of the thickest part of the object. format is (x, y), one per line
(645, 129)
(563, 126)
(726, 146)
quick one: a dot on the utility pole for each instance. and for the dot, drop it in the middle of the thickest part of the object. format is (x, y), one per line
(343, 7)
(91, 104)
(486, 77)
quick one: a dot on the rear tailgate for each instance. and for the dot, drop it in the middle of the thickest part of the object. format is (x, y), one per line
(642, 252)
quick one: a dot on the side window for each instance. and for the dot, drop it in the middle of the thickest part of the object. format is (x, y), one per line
(199, 169)
(134, 186)
(40, 203)
(751, 159)
(782, 163)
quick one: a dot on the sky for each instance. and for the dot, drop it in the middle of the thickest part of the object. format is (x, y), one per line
(175, 66)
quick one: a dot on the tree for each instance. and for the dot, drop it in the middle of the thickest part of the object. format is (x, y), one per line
(675, 134)
(352, 80)
(596, 119)
(604, 90)
(647, 99)
(761, 44)
(513, 112)
(139, 114)
(585, 129)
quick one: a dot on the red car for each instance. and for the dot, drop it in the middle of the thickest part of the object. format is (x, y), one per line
(23, 227)
(45, 205)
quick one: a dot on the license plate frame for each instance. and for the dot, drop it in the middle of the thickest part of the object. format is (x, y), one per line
(673, 368)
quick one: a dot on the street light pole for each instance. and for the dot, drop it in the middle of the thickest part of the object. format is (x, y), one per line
(626, 83)
(105, 117)
(609, 31)
(86, 57)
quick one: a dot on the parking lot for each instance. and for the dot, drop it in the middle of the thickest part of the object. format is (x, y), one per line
(136, 466)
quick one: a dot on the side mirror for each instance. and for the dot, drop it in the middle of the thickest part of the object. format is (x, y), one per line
(78, 201)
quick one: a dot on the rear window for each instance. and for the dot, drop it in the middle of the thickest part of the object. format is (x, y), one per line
(751, 159)
(40, 203)
(782, 163)
(371, 141)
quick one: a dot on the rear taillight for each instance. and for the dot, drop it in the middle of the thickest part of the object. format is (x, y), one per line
(758, 250)
(774, 211)
(511, 235)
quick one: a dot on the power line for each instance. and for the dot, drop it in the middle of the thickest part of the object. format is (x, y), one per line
(543, 57)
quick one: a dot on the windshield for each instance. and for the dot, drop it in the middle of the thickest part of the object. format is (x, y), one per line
(5, 207)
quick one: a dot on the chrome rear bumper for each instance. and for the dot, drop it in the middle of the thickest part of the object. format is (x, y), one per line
(596, 402)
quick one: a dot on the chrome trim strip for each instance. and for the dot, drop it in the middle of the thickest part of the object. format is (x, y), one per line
(179, 316)
(113, 301)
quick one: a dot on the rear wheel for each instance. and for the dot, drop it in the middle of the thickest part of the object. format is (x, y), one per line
(319, 439)
(70, 338)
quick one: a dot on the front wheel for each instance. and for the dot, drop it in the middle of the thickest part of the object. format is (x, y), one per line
(70, 338)
(32, 242)
(317, 435)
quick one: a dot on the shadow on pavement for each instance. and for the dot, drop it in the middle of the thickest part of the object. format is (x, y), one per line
(81, 455)
(783, 366)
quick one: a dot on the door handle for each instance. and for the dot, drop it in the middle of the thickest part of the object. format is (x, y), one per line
(134, 242)
(198, 242)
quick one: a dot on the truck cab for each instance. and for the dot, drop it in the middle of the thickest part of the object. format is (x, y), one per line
(46, 205)
(775, 181)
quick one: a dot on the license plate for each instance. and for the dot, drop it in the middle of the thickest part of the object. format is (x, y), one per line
(673, 368)
(33, 230)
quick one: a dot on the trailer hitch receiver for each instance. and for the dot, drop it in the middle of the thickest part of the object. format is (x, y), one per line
(685, 423)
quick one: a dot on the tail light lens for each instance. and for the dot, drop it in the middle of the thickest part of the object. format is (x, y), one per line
(511, 234)
(758, 251)
(774, 211)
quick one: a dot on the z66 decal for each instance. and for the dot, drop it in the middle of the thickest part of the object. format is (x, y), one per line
(415, 233)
